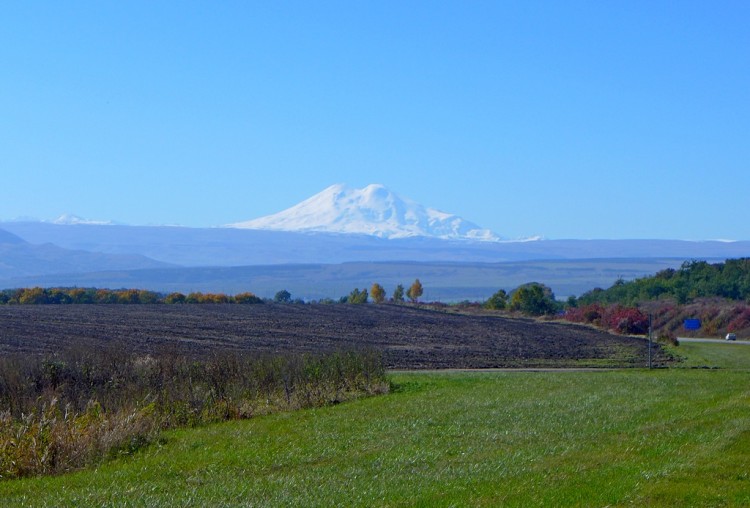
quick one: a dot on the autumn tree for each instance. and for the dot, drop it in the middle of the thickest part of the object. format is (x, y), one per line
(247, 298)
(174, 298)
(215, 298)
(79, 295)
(105, 296)
(33, 296)
(415, 291)
(377, 293)
(129, 296)
(194, 297)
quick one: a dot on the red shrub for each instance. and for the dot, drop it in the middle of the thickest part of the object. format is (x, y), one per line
(741, 322)
(621, 319)
(591, 314)
(627, 320)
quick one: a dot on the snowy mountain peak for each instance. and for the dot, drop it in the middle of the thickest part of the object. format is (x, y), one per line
(373, 210)
(68, 219)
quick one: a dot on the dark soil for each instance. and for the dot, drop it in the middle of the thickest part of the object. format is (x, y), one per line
(409, 338)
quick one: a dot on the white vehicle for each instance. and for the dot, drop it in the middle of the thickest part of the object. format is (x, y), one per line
(731, 336)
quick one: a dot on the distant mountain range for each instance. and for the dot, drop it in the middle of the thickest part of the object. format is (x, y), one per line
(242, 247)
(329, 233)
(373, 210)
(19, 258)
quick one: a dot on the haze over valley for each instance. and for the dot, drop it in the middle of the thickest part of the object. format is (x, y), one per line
(339, 238)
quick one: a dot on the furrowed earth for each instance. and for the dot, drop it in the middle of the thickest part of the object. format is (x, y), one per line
(408, 337)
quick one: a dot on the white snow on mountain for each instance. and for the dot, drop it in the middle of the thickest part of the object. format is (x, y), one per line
(373, 210)
(68, 219)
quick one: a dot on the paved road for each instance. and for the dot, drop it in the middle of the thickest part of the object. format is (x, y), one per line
(714, 341)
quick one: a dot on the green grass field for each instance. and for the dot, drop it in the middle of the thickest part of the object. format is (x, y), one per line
(677, 437)
(726, 355)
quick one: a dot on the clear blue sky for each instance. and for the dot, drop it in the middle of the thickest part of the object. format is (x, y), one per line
(614, 119)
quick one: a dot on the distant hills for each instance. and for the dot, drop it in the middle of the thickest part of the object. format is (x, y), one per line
(241, 247)
(315, 265)
(19, 258)
(338, 239)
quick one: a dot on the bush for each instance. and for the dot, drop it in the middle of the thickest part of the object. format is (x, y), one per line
(590, 314)
(740, 322)
(627, 320)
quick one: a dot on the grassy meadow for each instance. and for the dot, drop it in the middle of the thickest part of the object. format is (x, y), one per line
(670, 437)
(726, 355)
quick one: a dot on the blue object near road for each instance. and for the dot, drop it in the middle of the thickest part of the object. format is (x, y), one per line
(692, 324)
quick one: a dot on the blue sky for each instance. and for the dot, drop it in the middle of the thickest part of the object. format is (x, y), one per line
(563, 119)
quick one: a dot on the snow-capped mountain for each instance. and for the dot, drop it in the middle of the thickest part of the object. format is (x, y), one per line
(373, 210)
(68, 219)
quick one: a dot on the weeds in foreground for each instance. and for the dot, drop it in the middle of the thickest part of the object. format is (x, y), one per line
(64, 412)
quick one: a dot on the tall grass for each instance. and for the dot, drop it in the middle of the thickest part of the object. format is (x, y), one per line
(67, 411)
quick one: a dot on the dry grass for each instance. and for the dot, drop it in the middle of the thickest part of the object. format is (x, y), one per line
(68, 411)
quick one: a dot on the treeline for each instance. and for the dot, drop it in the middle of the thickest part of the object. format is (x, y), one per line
(73, 409)
(62, 296)
(694, 279)
(378, 294)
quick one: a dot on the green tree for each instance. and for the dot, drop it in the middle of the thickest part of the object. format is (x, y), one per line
(377, 293)
(398, 294)
(357, 297)
(415, 291)
(145, 296)
(282, 296)
(58, 296)
(533, 299)
(498, 301)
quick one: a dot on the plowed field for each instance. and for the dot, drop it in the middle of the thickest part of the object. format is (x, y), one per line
(410, 338)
